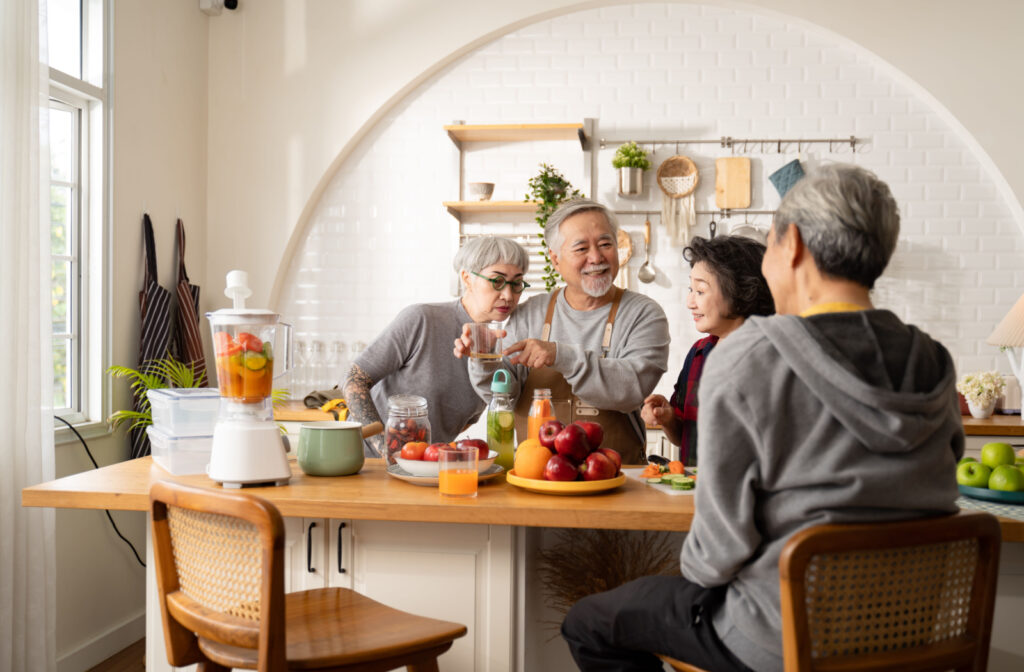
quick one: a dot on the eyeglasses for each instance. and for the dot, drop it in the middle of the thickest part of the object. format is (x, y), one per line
(498, 283)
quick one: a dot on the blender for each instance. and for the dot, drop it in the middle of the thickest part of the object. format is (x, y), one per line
(248, 448)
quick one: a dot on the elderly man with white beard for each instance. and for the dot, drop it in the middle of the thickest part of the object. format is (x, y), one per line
(589, 342)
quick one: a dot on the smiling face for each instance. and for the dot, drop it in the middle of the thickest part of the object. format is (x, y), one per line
(482, 301)
(710, 308)
(588, 258)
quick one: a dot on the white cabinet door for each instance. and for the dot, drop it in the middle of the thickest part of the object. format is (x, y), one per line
(456, 572)
(305, 554)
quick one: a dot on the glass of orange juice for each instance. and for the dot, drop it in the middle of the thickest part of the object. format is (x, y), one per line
(457, 471)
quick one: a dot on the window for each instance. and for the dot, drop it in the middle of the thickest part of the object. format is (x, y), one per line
(78, 133)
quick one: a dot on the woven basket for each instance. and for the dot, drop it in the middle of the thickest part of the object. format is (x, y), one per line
(677, 176)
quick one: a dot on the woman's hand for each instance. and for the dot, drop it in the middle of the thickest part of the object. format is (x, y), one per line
(657, 410)
(533, 353)
(464, 343)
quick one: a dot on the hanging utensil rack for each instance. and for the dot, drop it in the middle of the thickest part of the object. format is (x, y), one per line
(729, 142)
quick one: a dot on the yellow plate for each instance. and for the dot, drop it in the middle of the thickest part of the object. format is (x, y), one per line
(564, 487)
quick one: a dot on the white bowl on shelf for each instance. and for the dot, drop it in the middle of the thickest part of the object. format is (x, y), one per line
(430, 469)
(480, 191)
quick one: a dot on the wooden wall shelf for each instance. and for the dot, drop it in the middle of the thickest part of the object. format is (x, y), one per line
(459, 208)
(460, 133)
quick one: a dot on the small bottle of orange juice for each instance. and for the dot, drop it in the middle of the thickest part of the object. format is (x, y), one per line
(541, 411)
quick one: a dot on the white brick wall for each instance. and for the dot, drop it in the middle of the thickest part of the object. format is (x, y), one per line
(380, 239)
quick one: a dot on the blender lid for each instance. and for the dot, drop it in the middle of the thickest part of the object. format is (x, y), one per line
(238, 291)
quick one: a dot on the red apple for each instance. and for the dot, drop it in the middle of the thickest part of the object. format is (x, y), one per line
(560, 468)
(548, 431)
(479, 444)
(595, 433)
(433, 452)
(598, 468)
(572, 442)
(612, 455)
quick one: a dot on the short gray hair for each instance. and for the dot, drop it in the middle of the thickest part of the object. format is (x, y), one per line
(847, 218)
(552, 229)
(476, 254)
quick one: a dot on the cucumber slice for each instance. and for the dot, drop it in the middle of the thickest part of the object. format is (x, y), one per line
(683, 484)
(654, 481)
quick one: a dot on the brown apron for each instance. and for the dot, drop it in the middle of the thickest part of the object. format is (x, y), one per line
(618, 430)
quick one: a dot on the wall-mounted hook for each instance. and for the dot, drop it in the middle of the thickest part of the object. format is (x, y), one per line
(853, 144)
(778, 150)
(602, 143)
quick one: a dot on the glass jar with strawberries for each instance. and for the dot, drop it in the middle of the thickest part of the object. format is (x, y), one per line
(407, 421)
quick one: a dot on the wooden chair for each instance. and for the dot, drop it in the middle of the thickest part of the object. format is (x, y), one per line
(914, 595)
(220, 575)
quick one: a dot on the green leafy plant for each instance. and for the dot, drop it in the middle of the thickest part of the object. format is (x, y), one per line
(549, 188)
(630, 155)
(159, 374)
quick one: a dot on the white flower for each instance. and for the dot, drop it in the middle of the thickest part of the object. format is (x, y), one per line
(981, 388)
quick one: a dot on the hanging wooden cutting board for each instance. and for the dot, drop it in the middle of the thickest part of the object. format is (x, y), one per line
(732, 182)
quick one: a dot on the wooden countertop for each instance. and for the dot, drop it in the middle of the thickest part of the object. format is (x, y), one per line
(996, 425)
(373, 495)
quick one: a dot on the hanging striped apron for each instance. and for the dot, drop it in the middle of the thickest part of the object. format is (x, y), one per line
(187, 341)
(154, 332)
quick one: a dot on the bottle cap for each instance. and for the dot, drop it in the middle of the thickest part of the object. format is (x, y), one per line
(541, 392)
(500, 386)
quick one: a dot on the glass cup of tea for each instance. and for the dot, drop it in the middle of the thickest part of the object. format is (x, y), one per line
(457, 472)
(485, 353)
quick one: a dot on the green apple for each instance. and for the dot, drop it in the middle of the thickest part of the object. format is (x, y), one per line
(973, 474)
(965, 459)
(1006, 478)
(997, 453)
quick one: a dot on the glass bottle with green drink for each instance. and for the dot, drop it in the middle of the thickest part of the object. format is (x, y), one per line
(501, 422)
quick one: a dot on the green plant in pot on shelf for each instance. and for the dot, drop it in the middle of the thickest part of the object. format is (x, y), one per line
(549, 188)
(981, 390)
(631, 162)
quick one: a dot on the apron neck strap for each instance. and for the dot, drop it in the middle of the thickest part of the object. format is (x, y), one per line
(606, 340)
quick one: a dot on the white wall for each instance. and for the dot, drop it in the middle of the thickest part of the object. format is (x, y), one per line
(293, 83)
(159, 164)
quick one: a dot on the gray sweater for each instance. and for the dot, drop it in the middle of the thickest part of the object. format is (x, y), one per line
(637, 357)
(413, 355)
(839, 417)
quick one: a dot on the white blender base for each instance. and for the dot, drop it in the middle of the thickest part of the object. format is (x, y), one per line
(247, 453)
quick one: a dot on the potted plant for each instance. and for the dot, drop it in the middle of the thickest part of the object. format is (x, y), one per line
(549, 188)
(631, 161)
(981, 391)
(159, 374)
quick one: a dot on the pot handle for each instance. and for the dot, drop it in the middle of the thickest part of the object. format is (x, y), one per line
(372, 429)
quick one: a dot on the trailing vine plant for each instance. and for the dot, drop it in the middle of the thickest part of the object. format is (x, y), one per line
(549, 188)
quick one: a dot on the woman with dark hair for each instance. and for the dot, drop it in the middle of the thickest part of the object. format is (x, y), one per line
(726, 287)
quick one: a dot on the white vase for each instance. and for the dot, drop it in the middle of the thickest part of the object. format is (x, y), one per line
(981, 411)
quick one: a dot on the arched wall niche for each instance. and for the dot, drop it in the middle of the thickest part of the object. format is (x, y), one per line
(374, 237)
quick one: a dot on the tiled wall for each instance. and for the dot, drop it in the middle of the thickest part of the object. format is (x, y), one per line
(380, 239)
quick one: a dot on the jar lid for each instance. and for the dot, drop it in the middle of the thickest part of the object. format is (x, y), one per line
(409, 403)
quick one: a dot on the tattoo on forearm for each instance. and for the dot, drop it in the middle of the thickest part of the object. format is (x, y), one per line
(360, 403)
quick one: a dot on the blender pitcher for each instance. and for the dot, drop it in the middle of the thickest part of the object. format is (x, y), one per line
(249, 344)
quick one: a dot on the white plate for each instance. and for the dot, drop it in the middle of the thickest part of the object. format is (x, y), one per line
(429, 469)
(401, 474)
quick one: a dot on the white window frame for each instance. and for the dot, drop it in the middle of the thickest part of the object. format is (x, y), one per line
(90, 97)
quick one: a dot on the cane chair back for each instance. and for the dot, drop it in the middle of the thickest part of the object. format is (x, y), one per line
(219, 559)
(911, 595)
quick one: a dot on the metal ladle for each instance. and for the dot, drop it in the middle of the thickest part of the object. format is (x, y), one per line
(646, 273)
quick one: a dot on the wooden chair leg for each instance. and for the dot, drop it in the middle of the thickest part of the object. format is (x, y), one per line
(678, 664)
(427, 666)
(210, 666)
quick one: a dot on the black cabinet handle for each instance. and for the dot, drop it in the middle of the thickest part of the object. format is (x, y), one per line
(341, 526)
(309, 549)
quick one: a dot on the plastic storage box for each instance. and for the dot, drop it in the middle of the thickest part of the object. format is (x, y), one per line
(180, 455)
(185, 411)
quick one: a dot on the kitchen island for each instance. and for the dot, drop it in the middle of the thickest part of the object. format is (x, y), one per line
(464, 560)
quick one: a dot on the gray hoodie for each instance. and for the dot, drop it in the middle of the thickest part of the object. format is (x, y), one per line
(839, 417)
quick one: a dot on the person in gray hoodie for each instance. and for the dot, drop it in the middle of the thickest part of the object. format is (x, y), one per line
(832, 411)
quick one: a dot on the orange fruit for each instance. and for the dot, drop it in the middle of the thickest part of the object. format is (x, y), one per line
(531, 458)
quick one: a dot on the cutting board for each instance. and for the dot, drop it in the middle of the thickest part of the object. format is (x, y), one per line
(732, 182)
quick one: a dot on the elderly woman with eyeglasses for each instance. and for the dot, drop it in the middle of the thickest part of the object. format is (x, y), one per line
(413, 354)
